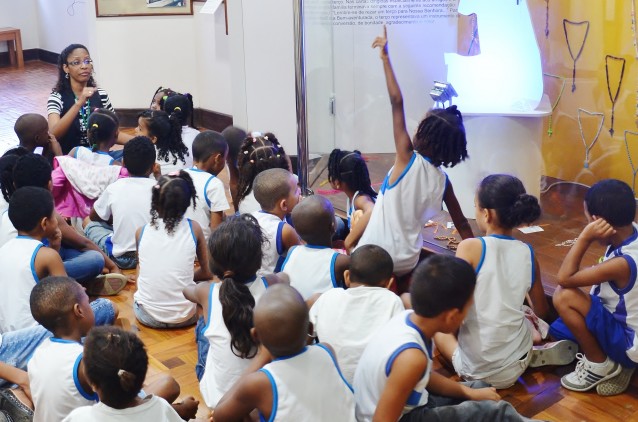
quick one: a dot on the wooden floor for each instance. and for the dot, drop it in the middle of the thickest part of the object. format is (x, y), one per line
(538, 394)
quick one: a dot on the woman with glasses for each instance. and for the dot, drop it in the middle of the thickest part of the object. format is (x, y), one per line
(74, 97)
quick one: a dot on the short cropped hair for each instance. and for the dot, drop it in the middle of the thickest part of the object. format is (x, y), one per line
(28, 206)
(207, 143)
(32, 170)
(441, 283)
(52, 299)
(139, 156)
(612, 200)
(371, 265)
(271, 186)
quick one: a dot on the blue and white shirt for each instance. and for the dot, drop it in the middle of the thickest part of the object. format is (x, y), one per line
(311, 269)
(273, 250)
(97, 158)
(211, 197)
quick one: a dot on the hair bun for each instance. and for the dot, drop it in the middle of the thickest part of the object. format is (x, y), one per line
(525, 209)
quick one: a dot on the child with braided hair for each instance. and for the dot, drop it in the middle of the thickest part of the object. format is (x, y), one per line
(415, 187)
(181, 105)
(348, 172)
(165, 131)
(258, 153)
(166, 249)
(160, 97)
(104, 128)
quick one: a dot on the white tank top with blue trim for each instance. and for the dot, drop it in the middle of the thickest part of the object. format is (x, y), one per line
(97, 158)
(309, 386)
(223, 367)
(53, 377)
(166, 269)
(495, 332)
(311, 269)
(623, 304)
(211, 197)
(273, 250)
(17, 279)
(401, 210)
(374, 367)
(7, 231)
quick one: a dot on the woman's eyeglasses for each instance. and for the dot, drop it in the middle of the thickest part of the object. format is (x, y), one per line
(85, 62)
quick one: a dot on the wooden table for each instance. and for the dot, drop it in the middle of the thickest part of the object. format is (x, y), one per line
(14, 44)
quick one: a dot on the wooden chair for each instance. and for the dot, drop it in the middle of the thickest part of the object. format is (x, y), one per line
(14, 44)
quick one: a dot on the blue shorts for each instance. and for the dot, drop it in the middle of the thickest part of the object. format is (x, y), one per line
(614, 337)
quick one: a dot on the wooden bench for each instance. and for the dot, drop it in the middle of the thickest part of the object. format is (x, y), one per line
(14, 44)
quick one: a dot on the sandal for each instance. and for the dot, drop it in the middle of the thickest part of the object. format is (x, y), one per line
(13, 408)
(106, 284)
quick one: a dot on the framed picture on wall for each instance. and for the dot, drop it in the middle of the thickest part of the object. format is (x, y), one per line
(111, 8)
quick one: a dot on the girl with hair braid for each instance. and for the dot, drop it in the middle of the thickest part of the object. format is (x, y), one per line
(415, 187)
(257, 153)
(166, 249)
(348, 172)
(165, 131)
(182, 106)
(235, 251)
(104, 128)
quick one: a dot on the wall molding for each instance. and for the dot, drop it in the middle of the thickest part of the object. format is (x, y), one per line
(32, 54)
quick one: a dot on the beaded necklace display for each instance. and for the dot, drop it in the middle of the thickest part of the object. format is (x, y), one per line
(634, 170)
(582, 134)
(569, 47)
(85, 111)
(614, 98)
(546, 18)
(550, 129)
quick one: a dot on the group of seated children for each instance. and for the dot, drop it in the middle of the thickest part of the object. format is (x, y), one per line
(285, 325)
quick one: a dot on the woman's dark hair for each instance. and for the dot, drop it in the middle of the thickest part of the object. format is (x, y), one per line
(258, 153)
(350, 168)
(168, 131)
(63, 83)
(441, 137)
(103, 125)
(116, 361)
(172, 195)
(506, 195)
(166, 91)
(182, 106)
(235, 252)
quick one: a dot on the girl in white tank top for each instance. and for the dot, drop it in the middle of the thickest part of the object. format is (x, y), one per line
(235, 250)
(102, 134)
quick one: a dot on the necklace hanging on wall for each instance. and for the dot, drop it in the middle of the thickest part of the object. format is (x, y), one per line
(546, 18)
(474, 42)
(633, 27)
(550, 129)
(588, 147)
(634, 170)
(614, 98)
(569, 47)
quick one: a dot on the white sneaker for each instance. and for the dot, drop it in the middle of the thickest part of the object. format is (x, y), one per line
(588, 375)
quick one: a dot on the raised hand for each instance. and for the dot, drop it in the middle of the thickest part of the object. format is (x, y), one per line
(382, 43)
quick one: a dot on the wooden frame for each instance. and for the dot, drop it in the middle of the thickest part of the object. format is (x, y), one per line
(113, 8)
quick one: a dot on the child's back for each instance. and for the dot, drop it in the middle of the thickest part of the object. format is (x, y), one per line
(347, 319)
(95, 158)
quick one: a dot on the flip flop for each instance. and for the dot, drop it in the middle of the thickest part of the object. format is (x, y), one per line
(106, 284)
(560, 352)
(14, 409)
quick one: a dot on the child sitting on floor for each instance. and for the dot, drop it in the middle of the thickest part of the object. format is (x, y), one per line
(115, 365)
(234, 137)
(165, 131)
(495, 340)
(347, 319)
(33, 133)
(209, 155)
(396, 367)
(314, 267)
(166, 249)
(181, 105)
(301, 382)
(104, 128)
(225, 346)
(124, 205)
(277, 192)
(603, 322)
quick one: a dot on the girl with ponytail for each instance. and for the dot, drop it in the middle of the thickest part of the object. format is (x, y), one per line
(181, 105)
(104, 128)
(495, 340)
(235, 257)
(165, 131)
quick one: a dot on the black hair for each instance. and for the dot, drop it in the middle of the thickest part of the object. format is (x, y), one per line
(28, 206)
(235, 252)
(168, 131)
(167, 93)
(63, 83)
(441, 137)
(52, 299)
(271, 186)
(172, 195)
(506, 195)
(207, 143)
(182, 106)
(139, 156)
(350, 168)
(28, 126)
(612, 200)
(235, 137)
(371, 265)
(32, 170)
(7, 163)
(19, 151)
(441, 283)
(103, 126)
(314, 218)
(116, 362)
(258, 153)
